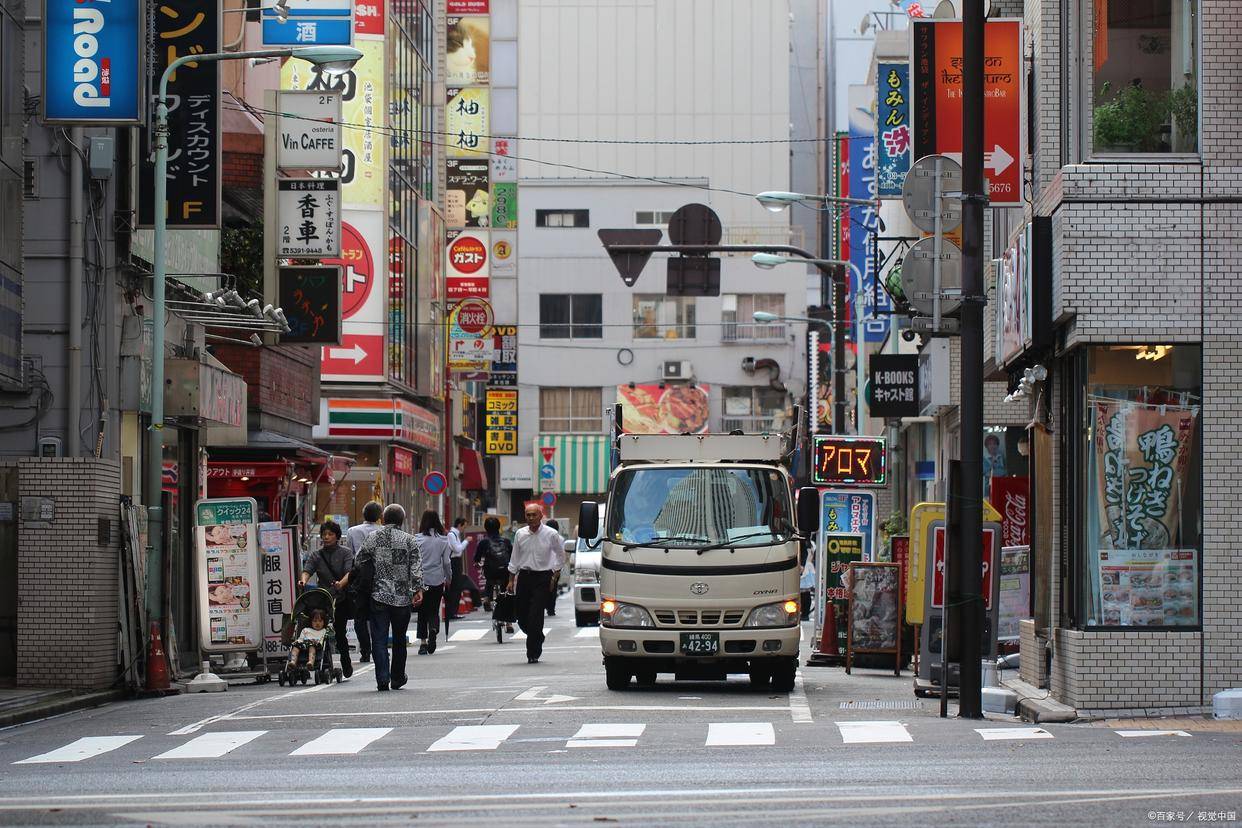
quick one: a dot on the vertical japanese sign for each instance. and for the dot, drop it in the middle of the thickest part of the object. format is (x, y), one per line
(103, 82)
(500, 433)
(227, 567)
(311, 300)
(504, 361)
(936, 99)
(864, 221)
(893, 128)
(276, 574)
(467, 122)
(177, 28)
(467, 202)
(837, 553)
(850, 512)
(309, 218)
(504, 183)
(467, 264)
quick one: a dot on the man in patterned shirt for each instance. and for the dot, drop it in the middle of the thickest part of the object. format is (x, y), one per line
(397, 591)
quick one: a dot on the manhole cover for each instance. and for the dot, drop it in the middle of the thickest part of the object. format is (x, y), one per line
(912, 704)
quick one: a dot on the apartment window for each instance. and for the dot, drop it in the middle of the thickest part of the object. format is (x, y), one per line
(562, 218)
(738, 316)
(656, 217)
(664, 317)
(571, 316)
(1144, 66)
(571, 410)
(752, 408)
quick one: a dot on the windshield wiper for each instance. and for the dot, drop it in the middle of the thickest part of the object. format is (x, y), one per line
(664, 544)
(732, 541)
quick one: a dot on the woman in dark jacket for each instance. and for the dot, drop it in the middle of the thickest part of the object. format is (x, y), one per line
(492, 553)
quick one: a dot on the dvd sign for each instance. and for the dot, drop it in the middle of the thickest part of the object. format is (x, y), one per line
(92, 64)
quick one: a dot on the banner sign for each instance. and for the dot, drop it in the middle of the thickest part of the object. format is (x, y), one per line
(501, 426)
(308, 130)
(470, 336)
(276, 573)
(467, 202)
(227, 568)
(504, 361)
(467, 118)
(991, 545)
(893, 127)
(837, 554)
(936, 89)
(177, 28)
(467, 51)
(311, 300)
(852, 512)
(1011, 497)
(894, 385)
(1013, 293)
(870, 303)
(93, 62)
(308, 215)
(467, 264)
(1014, 598)
(658, 409)
(360, 354)
(310, 23)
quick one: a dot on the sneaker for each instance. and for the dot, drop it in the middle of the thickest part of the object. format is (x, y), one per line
(422, 650)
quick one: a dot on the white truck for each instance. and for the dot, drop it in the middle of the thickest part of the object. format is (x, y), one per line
(699, 559)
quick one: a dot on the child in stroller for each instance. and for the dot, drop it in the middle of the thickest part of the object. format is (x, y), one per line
(309, 636)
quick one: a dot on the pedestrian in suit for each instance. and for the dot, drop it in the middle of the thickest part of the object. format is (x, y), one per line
(537, 555)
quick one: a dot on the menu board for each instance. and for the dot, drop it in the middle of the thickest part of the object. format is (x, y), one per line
(874, 611)
(227, 564)
(836, 553)
(277, 596)
(1149, 587)
(1014, 594)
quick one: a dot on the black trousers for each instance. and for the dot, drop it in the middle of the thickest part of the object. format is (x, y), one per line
(532, 599)
(362, 629)
(429, 613)
(339, 628)
(458, 584)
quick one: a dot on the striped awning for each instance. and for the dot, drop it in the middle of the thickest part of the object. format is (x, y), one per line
(583, 462)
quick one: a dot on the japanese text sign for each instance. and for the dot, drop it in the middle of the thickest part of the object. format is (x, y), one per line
(501, 426)
(467, 119)
(309, 130)
(870, 304)
(848, 461)
(894, 385)
(893, 152)
(103, 80)
(936, 91)
(852, 512)
(308, 213)
(276, 576)
(311, 300)
(309, 23)
(227, 570)
(987, 575)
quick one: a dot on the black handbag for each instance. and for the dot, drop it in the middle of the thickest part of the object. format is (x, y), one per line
(361, 585)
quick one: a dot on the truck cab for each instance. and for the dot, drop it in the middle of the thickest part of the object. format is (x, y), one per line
(699, 560)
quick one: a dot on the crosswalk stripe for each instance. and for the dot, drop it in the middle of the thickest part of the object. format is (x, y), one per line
(521, 636)
(1140, 733)
(474, 737)
(588, 632)
(607, 735)
(469, 634)
(83, 748)
(873, 732)
(342, 741)
(720, 734)
(212, 745)
(1001, 734)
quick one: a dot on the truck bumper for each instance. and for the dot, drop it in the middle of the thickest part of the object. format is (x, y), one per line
(735, 644)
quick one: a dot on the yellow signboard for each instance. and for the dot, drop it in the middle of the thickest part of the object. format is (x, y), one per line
(502, 399)
(501, 427)
(921, 518)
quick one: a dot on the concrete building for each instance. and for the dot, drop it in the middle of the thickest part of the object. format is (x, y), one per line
(615, 84)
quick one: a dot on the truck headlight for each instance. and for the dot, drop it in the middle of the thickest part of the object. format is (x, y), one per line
(616, 614)
(781, 614)
(583, 575)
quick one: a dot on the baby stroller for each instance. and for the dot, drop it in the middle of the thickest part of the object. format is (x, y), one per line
(323, 669)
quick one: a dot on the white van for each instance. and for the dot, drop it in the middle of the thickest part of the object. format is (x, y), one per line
(586, 563)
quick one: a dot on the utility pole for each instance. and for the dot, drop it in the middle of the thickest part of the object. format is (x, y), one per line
(974, 198)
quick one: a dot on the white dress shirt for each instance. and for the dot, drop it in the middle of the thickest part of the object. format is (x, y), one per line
(540, 551)
(459, 543)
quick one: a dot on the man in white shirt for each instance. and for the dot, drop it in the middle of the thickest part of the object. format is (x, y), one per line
(538, 553)
(460, 581)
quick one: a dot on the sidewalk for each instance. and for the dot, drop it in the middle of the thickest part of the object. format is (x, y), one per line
(24, 704)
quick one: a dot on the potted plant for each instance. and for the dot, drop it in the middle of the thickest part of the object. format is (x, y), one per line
(1132, 120)
(1184, 106)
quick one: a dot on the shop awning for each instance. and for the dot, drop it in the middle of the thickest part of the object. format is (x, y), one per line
(473, 475)
(583, 461)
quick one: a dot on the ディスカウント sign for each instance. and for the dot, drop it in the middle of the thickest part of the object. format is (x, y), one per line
(92, 61)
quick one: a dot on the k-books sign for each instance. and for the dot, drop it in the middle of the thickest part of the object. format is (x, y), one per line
(92, 64)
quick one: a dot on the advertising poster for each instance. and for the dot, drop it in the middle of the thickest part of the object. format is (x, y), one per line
(504, 253)
(467, 261)
(987, 576)
(1141, 455)
(1149, 587)
(360, 354)
(276, 578)
(180, 27)
(875, 623)
(500, 435)
(1013, 293)
(1014, 599)
(893, 128)
(852, 512)
(467, 199)
(467, 122)
(504, 205)
(674, 409)
(837, 553)
(227, 564)
(1011, 497)
(467, 52)
(104, 86)
(869, 303)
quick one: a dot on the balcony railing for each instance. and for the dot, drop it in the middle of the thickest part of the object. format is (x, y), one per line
(752, 332)
(749, 424)
(761, 234)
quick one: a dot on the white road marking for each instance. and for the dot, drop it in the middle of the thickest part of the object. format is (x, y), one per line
(469, 635)
(799, 707)
(1141, 733)
(587, 632)
(721, 734)
(532, 695)
(678, 708)
(342, 741)
(83, 748)
(607, 735)
(857, 733)
(212, 745)
(1001, 734)
(201, 723)
(474, 737)
(521, 636)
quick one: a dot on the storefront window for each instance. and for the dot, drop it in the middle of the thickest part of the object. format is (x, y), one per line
(1140, 487)
(1144, 82)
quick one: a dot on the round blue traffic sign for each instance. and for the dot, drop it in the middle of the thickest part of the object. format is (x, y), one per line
(434, 482)
(549, 499)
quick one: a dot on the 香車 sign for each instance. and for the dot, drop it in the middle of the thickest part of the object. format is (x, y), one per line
(308, 212)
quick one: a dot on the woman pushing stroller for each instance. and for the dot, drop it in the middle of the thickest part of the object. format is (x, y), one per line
(329, 566)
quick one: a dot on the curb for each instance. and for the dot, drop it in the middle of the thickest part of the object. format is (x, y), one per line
(55, 707)
(1037, 706)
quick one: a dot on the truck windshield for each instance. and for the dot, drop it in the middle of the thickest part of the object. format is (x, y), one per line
(692, 507)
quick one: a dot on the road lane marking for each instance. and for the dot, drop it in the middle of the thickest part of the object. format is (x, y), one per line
(1001, 734)
(83, 748)
(1140, 733)
(587, 632)
(212, 745)
(722, 734)
(201, 723)
(860, 733)
(675, 708)
(473, 737)
(469, 635)
(799, 707)
(607, 735)
(521, 636)
(532, 695)
(342, 741)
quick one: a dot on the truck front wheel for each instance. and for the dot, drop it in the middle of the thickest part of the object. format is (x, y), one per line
(783, 674)
(617, 674)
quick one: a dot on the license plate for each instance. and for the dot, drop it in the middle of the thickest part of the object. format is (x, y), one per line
(700, 643)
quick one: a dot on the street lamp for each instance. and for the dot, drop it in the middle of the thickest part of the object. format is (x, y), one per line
(777, 200)
(332, 60)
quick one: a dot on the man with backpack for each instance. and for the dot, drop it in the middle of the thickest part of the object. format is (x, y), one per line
(493, 553)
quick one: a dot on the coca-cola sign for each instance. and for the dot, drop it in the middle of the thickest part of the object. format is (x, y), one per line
(1011, 497)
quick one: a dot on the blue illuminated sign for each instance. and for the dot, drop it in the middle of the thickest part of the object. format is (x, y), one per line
(92, 61)
(310, 23)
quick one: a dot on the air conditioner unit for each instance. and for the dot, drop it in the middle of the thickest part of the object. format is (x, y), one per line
(676, 370)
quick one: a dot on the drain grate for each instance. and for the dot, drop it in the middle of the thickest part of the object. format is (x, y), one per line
(911, 704)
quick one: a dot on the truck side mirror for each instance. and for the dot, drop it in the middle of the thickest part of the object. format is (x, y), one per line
(808, 510)
(588, 519)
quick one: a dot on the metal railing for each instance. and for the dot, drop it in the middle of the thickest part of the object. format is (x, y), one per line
(761, 234)
(750, 424)
(752, 332)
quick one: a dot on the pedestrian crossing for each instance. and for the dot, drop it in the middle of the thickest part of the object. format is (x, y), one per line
(350, 741)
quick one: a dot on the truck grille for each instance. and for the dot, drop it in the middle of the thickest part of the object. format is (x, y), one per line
(699, 618)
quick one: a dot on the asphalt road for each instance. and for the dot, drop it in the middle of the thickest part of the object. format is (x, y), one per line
(480, 735)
